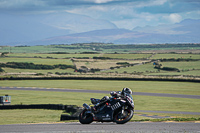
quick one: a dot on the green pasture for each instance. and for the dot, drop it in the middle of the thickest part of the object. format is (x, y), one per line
(29, 71)
(184, 72)
(38, 61)
(102, 64)
(182, 65)
(119, 56)
(186, 68)
(132, 69)
(43, 49)
(52, 55)
(188, 88)
(127, 56)
(176, 56)
(32, 49)
(105, 48)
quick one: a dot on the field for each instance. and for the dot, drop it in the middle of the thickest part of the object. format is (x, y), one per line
(140, 64)
(100, 60)
(94, 59)
(38, 61)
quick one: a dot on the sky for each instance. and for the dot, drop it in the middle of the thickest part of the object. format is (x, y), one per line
(125, 14)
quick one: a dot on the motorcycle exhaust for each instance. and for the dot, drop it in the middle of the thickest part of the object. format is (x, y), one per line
(86, 106)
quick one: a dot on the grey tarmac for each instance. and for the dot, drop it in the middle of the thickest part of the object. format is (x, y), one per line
(130, 127)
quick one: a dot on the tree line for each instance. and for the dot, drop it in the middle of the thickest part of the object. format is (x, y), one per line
(26, 65)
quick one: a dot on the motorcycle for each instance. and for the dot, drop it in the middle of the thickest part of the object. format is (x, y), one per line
(114, 109)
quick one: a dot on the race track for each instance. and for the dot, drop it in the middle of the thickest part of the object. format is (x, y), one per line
(155, 127)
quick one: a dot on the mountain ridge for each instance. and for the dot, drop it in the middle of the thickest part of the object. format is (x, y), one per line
(187, 31)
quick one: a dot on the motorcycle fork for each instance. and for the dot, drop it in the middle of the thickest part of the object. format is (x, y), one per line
(122, 110)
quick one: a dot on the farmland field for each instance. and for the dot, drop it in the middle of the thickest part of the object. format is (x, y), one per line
(132, 64)
(104, 48)
(51, 55)
(127, 56)
(176, 56)
(38, 61)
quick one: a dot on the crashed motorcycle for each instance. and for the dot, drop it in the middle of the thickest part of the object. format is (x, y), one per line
(114, 109)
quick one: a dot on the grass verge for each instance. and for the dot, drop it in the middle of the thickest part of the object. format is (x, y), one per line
(21, 116)
(187, 88)
(169, 119)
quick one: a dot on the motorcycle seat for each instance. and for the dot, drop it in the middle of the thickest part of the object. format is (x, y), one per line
(94, 101)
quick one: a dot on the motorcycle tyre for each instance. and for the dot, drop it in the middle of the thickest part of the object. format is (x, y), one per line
(125, 120)
(85, 121)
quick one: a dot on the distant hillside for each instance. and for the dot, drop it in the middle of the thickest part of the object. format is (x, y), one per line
(186, 31)
(15, 31)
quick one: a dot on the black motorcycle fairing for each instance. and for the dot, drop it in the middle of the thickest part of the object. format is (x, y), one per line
(105, 115)
(109, 109)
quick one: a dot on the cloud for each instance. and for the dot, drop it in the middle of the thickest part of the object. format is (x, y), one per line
(101, 1)
(175, 18)
(124, 13)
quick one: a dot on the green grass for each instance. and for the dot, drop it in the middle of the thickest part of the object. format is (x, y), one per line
(138, 68)
(146, 69)
(186, 68)
(166, 114)
(45, 97)
(89, 48)
(187, 88)
(169, 119)
(38, 61)
(176, 56)
(189, 73)
(127, 56)
(102, 64)
(182, 65)
(12, 70)
(166, 104)
(51, 55)
(43, 49)
(20, 116)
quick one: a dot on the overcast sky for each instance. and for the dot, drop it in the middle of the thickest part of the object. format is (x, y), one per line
(126, 14)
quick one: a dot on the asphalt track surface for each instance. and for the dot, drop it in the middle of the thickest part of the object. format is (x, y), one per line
(130, 127)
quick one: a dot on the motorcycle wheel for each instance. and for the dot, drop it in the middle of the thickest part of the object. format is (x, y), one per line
(85, 118)
(120, 118)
